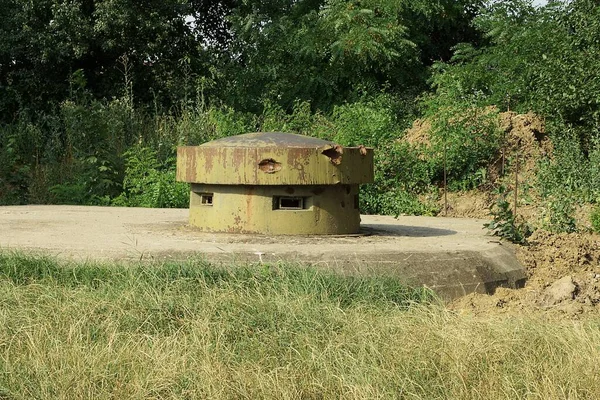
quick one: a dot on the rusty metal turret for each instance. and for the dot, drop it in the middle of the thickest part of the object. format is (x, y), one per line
(274, 183)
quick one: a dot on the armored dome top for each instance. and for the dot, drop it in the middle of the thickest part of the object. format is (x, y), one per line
(269, 139)
(274, 159)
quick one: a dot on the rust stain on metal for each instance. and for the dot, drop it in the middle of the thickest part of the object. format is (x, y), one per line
(237, 221)
(208, 160)
(297, 159)
(334, 153)
(249, 197)
(317, 211)
(190, 161)
(249, 173)
(269, 166)
(238, 159)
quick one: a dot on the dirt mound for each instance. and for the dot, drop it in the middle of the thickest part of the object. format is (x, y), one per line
(563, 269)
(471, 204)
(524, 138)
(418, 133)
(563, 279)
(522, 133)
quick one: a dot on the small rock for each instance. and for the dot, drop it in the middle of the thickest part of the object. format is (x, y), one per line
(561, 290)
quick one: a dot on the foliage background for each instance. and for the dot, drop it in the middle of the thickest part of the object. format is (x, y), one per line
(96, 95)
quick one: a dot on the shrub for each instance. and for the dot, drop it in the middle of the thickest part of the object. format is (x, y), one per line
(571, 171)
(504, 223)
(14, 174)
(464, 139)
(197, 126)
(367, 122)
(148, 183)
(557, 215)
(400, 176)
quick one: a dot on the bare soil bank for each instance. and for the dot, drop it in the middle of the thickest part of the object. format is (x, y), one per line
(563, 273)
(563, 270)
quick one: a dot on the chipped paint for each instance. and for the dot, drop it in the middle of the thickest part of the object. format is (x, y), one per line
(249, 174)
(269, 166)
(317, 163)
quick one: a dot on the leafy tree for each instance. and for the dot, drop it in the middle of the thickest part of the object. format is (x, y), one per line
(84, 81)
(329, 51)
(543, 59)
(110, 41)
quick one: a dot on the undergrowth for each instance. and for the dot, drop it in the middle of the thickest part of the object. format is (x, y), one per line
(505, 223)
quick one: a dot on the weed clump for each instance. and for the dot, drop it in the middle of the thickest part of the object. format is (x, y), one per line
(505, 223)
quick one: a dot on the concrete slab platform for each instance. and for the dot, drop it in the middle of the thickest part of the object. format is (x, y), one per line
(453, 256)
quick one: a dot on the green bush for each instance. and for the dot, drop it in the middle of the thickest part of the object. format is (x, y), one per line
(571, 171)
(557, 215)
(504, 223)
(464, 140)
(370, 122)
(150, 183)
(14, 173)
(400, 176)
(300, 120)
(197, 126)
(90, 181)
(393, 202)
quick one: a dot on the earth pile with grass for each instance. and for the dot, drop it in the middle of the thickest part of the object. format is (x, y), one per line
(563, 267)
(523, 135)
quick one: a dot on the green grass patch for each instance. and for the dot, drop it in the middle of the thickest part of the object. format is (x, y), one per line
(194, 274)
(191, 330)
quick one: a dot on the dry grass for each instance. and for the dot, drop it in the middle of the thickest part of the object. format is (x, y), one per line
(71, 331)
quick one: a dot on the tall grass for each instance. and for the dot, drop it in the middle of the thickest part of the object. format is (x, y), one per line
(189, 330)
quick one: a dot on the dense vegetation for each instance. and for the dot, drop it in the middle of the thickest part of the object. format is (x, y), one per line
(191, 330)
(95, 95)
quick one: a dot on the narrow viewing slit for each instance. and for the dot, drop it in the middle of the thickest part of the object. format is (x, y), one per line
(206, 199)
(290, 203)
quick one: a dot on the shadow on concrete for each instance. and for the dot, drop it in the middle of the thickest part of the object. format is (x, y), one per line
(404, 230)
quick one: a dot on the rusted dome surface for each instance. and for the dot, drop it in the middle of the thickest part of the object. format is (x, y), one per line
(269, 139)
(274, 159)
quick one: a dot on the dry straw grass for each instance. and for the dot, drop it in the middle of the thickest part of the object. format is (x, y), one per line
(191, 331)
